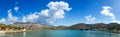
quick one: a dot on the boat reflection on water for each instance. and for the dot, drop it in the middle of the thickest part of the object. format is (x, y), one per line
(24, 34)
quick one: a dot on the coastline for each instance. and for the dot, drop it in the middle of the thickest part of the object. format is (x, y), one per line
(12, 31)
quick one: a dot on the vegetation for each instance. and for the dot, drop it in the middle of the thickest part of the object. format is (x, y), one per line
(79, 26)
(97, 26)
(9, 27)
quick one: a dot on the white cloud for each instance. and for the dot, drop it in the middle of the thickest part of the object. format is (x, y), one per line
(11, 18)
(90, 18)
(48, 16)
(106, 11)
(16, 8)
(30, 17)
(44, 12)
(2, 20)
(115, 21)
(59, 5)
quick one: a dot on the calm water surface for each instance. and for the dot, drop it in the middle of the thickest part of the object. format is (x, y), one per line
(62, 33)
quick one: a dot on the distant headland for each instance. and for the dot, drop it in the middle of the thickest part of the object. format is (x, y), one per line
(28, 26)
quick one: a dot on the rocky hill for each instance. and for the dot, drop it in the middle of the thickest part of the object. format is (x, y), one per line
(30, 25)
(97, 26)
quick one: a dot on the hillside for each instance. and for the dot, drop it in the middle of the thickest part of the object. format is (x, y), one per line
(97, 26)
(30, 25)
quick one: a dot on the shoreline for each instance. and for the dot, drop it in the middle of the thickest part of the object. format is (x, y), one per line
(12, 31)
(17, 31)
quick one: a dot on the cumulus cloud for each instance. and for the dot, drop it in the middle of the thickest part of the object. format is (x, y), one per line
(11, 18)
(59, 6)
(31, 17)
(90, 18)
(56, 10)
(16, 8)
(2, 20)
(106, 11)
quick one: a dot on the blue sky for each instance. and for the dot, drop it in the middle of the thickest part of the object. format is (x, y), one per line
(81, 11)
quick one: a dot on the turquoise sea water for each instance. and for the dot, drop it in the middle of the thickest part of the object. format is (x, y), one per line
(62, 33)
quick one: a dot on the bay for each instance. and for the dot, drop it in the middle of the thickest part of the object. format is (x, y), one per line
(62, 33)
